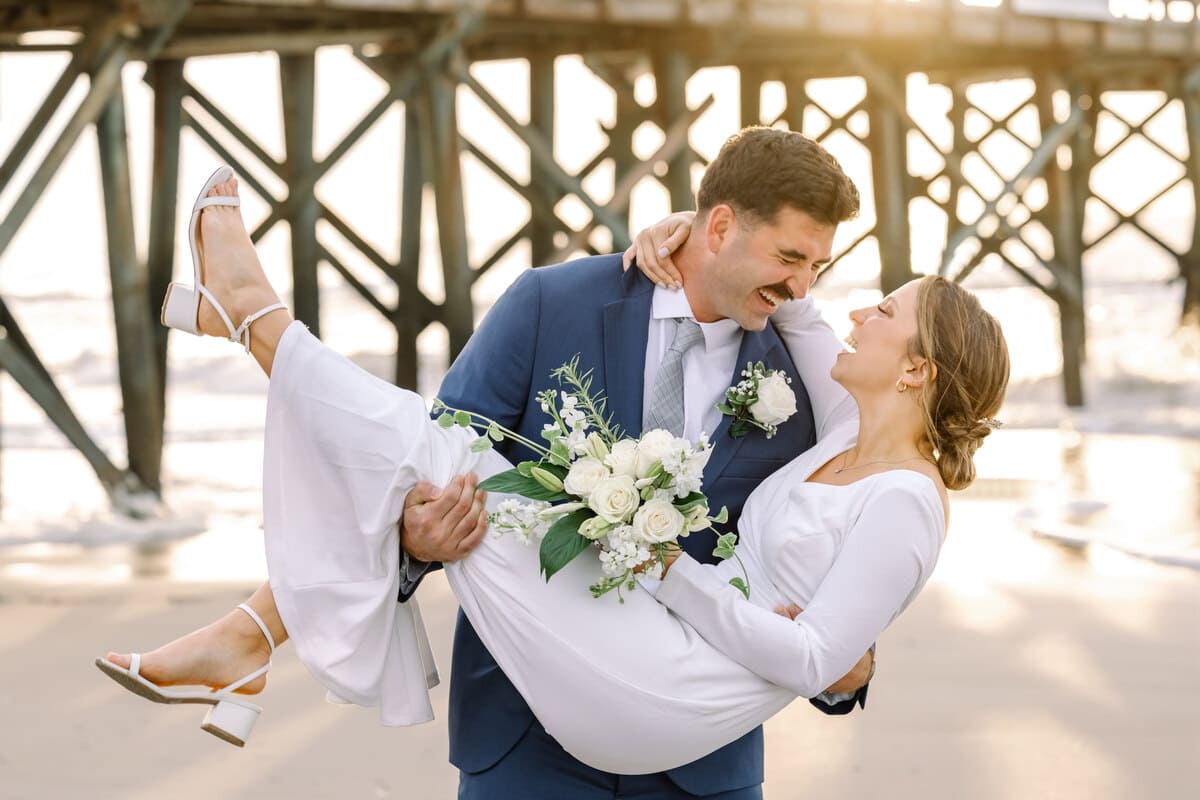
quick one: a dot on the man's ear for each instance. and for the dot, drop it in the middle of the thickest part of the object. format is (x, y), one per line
(718, 226)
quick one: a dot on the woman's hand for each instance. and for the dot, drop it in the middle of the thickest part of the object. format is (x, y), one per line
(652, 249)
(858, 676)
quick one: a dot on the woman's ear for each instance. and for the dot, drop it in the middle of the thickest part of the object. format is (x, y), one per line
(918, 371)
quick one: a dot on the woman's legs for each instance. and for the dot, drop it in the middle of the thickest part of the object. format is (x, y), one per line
(219, 653)
(232, 272)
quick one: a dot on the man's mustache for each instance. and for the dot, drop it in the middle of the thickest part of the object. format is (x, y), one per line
(781, 290)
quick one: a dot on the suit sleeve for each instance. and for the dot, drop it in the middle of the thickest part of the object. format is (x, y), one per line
(493, 376)
(886, 559)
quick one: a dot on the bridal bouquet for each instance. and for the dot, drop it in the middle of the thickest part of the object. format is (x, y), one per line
(594, 487)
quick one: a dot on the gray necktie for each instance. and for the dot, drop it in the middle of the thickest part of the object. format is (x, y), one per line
(666, 401)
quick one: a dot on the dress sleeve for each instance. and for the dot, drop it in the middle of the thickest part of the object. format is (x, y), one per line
(814, 347)
(888, 554)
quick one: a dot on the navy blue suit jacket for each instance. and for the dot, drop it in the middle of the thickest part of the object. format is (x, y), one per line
(591, 308)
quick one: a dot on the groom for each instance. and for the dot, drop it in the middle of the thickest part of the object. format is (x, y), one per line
(768, 208)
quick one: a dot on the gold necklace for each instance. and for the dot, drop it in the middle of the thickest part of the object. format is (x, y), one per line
(846, 457)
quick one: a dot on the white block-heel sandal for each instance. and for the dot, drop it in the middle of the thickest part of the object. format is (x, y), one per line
(181, 306)
(230, 718)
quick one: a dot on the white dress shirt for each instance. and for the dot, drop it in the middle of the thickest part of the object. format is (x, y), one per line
(707, 369)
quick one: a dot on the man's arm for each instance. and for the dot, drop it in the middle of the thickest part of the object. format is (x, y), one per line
(492, 376)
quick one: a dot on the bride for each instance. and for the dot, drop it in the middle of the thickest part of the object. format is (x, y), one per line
(850, 531)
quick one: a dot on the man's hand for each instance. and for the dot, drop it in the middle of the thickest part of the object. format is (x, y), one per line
(443, 524)
(853, 680)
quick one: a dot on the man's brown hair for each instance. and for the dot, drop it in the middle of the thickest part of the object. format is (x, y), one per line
(761, 170)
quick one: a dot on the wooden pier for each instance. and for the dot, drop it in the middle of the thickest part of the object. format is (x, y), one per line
(423, 49)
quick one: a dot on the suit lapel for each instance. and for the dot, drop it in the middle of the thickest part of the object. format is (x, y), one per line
(756, 346)
(626, 331)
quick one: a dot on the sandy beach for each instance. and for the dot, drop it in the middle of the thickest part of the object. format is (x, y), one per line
(1025, 670)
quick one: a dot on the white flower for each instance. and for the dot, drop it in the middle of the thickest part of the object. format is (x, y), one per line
(596, 448)
(522, 520)
(776, 400)
(651, 448)
(696, 519)
(583, 477)
(658, 521)
(594, 527)
(623, 458)
(615, 499)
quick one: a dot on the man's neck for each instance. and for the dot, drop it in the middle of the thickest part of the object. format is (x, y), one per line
(689, 260)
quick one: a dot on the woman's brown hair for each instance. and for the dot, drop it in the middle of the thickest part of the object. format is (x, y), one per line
(970, 358)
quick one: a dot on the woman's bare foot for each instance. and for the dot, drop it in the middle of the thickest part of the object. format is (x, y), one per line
(214, 656)
(229, 265)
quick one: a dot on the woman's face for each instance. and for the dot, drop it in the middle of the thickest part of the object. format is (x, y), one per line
(879, 341)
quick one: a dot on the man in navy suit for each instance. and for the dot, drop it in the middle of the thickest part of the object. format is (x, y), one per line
(768, 208)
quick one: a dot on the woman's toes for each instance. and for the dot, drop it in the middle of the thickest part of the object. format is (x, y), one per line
(120, 659)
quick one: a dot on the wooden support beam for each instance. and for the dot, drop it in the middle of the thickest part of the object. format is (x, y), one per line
(671, 72)
(166, 78)
(675, 142)
(83, 56)
(541, 153)
(1054, 137)
(441, 137)
(408, 326)
(750, 81)
(796, 94)
(31, 376)
(297, 79)
(541, 119)
(1189, 262)
(141, 382)
(106, 77)
(889, 169)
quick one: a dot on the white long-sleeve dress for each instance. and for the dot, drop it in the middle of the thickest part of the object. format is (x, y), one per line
(639, 687)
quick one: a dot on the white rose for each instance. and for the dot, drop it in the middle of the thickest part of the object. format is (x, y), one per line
(623, 458)
(651, 448)
(583, 477)
(615, 499)
(776, 400)
(658, 521)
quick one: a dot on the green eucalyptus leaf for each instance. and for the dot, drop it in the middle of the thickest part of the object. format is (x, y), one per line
(481, 444)
(462, 419)
(526, 468)
(562, 542)
(722, 517)
(494, 432)
(741, 586)
(446, 420)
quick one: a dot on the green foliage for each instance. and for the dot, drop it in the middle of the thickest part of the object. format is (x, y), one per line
(513, 482)
(563, 542)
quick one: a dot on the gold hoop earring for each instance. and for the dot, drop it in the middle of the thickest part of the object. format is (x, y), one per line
(901, 386)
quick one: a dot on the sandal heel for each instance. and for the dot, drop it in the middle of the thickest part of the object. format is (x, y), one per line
(179, 308)
(231, 721)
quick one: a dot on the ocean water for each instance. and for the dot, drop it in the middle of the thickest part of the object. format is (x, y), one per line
(1122, 472)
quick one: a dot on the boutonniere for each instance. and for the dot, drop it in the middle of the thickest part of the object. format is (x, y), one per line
(762, 399)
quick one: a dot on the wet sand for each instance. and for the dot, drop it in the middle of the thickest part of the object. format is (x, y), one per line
(1025, 670)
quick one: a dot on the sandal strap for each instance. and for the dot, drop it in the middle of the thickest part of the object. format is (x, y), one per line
(242, 334)
(233, 687)
(262, 626)
(212, 301)
(217, 200)
(135, 663)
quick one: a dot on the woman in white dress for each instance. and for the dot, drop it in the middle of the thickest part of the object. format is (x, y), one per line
(849, 531)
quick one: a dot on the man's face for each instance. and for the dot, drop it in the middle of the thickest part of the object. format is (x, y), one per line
(757, 267)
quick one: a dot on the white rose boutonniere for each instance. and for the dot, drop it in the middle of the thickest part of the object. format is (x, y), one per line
(763, 399)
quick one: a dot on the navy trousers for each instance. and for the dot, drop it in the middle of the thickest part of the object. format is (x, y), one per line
(538, 754)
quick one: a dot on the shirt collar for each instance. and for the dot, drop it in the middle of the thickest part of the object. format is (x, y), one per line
(672, 303)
